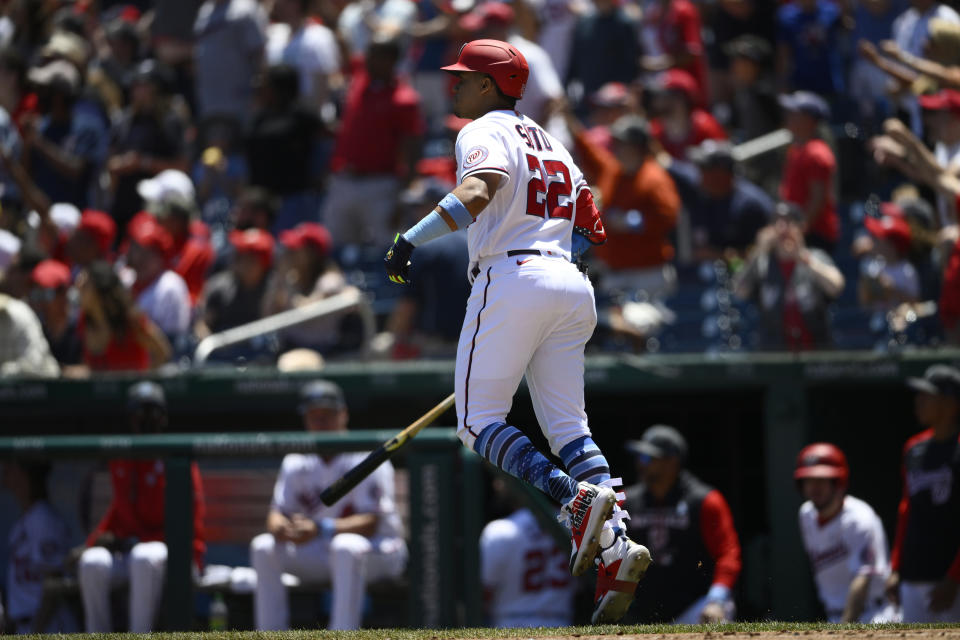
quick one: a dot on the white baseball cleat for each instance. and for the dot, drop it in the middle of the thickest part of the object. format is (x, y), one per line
(622, 565)
(585, 515)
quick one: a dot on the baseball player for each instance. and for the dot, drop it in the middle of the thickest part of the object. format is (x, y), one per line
(688, 525)
(526, 582)
(354, 542)
(843, 537)
(128, 543)
(37, 546)
(926, 551)
(529, 213)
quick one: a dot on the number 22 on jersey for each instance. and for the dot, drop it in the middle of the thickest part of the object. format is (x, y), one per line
(549, 187)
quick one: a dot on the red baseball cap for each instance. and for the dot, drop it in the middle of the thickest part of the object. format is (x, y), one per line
(147, 232)
(894, 229)
(51, 274)
(308, 234)
(680, 80)
(255, 241)
(99, 225)
(946, 100)
(487, 14)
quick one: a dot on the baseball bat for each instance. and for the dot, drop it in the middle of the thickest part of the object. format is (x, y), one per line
(381, 454)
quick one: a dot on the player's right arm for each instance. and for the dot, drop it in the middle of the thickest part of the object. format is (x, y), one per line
(857, 598)
(456, 210)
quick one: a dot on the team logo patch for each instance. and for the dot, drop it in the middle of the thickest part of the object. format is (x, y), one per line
(475, 156)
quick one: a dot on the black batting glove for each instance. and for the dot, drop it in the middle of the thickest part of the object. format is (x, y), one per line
(397, 260)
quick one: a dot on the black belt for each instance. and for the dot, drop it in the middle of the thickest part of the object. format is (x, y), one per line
(523, 252)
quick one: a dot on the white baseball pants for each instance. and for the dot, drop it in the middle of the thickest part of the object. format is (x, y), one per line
(915, 600)
(348, 560)
(526, 315)
(99, 570)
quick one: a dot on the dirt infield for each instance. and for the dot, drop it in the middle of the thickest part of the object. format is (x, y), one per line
(838, 634)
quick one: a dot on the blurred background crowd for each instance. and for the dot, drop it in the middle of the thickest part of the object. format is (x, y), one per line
(773, 175)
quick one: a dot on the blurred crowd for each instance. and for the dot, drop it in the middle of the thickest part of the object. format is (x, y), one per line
(773, 175)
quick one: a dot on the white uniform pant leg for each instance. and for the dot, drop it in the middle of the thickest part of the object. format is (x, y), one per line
(915, 599)
(502, 327)
(97, 571)
(555, 372)
(270, 559)
(356, 561)
(148, 567)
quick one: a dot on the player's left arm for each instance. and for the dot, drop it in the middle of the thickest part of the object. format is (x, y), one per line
(723, 544)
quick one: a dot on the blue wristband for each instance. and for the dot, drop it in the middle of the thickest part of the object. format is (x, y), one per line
(434, 226)
(457, 210)
(327, 527)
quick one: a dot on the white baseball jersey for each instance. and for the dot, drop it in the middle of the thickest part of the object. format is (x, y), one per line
(303, 478)
(535, 204)
(851, 544)
(525, 573)
(37, 545)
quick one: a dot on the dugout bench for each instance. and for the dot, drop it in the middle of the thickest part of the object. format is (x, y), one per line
(444, 525)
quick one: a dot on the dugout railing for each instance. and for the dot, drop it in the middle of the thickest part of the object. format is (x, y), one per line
(444, 489)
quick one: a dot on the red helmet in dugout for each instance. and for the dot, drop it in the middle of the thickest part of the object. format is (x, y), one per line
(822, 460)
(501, 61)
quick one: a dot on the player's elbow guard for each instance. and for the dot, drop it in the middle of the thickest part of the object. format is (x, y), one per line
(587, 222)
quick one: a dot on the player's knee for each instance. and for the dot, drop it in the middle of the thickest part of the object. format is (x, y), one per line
(352, 544)
(263, 545)
(470, 436)
(148, 554)
(95, 561)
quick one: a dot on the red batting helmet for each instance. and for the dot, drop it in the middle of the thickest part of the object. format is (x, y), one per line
(502, 61)
(822, 460)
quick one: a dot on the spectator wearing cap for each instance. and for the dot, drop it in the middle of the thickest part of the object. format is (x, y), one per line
(309, 273)
(426, 321)
(159, 291)
(810, 169)
(887, 278)
(753, 103)
(92, 239)
(680, 123)
(688, 525)
(942, 125)
(678, 28)
(495, 20)
(352, 543)
(925, 559)
(281, 146)
(376, 149)
(229, 40)
(297, 40)
(235, 296)
(116, 335)
(63, 149)
(147, 139)
(170, 198)
(808, 47)
(791, 284)
(23, 349)
(726, 211)
(605, 48)
(640, 205)
(21, 260)
(48, 298)
(359, 26)
(608, 104)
